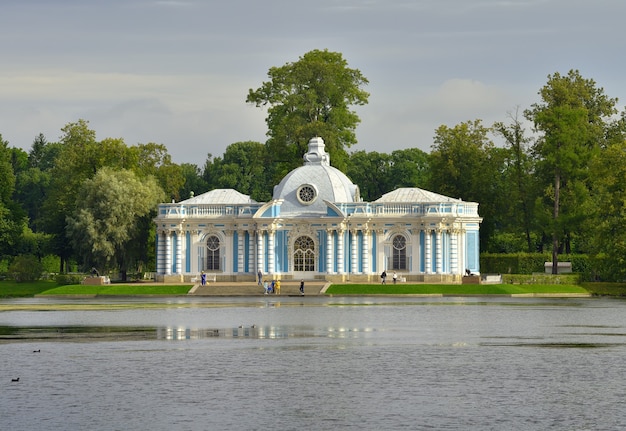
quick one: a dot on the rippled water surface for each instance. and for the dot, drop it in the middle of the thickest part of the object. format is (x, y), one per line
(314, 364)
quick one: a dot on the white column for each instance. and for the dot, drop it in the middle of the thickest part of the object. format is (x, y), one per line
(240, 253)
(259, 250)
(160, 258)
(365, 253)
(270, 252)
(340, 268)
(454, 252)
(427, 251)
(251, 255)
(179, 251)
(380, 251)
(354, 268)
(168, 253)
(461, 248)
(329, 251)
(438, 252)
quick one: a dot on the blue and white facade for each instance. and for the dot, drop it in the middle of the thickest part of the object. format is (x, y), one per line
(317, 227)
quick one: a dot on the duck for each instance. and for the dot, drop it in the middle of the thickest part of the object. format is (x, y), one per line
(37, 351)
(15, 380)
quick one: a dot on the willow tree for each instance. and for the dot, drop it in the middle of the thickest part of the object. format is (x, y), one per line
(105, 226)
(307, 98)
(572, 121)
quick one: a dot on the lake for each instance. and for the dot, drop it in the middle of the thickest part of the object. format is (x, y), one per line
(313, 363)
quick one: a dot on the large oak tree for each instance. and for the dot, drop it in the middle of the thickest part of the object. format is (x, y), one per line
(310, 97)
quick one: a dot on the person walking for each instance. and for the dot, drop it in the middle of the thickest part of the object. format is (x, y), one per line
(302, 287)
(395, 277)
(260, 277)
(277, 287)
(203, 278)
(383, 277)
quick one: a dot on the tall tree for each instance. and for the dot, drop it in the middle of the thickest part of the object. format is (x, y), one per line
(12, 219)
(378, 173)
(154, 159)
(519, 178)
(72, 166)
(609, 209)
(194, 183)
(104, 225)
(572, 120)
(409, 168)
(307, 98)
(370, 171)
(465, 164)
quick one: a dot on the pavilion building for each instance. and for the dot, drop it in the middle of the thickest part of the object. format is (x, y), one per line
(317, 227)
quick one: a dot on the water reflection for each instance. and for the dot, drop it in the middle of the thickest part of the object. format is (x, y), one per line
(259, 332)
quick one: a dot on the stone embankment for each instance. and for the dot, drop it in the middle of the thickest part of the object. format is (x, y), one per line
(287, 288)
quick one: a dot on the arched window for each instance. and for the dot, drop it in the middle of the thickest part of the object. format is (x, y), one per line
(398, 260)
(213, 253)
(304, 254)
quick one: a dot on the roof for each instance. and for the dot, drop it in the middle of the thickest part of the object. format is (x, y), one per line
(219, 197)
(414, 195)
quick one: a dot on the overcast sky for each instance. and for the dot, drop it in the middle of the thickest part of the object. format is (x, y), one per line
(177, 72)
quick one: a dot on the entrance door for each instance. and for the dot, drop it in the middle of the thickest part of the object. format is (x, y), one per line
(303, 256)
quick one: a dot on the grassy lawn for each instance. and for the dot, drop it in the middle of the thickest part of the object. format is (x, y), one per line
(11, 289)
(452, 289)
(119, 289)
(606, 289)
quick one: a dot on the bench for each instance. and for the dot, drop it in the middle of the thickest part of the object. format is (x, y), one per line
(562, 267)
(491, 279)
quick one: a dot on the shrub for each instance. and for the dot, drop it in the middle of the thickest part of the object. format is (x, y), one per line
(25, 267)
(67, 279)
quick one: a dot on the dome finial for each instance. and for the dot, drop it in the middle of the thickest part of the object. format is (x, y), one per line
(317, 155)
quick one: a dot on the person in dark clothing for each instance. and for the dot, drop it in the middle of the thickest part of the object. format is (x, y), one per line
(383, 277)
(302, 287)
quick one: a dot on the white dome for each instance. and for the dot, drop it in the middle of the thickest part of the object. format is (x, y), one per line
(305, 189)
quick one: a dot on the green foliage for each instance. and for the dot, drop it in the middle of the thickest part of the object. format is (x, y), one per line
(377, 173)
(25, 267)
(50, 263)
(609, 237)
(370, 172)
(194, 182)
(108, 209)
(542, 279)
(465, 164)
(68, 279)
(307, 98)
(244, 168)
(530, 263)
(573, 119)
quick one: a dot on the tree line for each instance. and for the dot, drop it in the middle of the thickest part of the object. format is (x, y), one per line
(548, 178)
